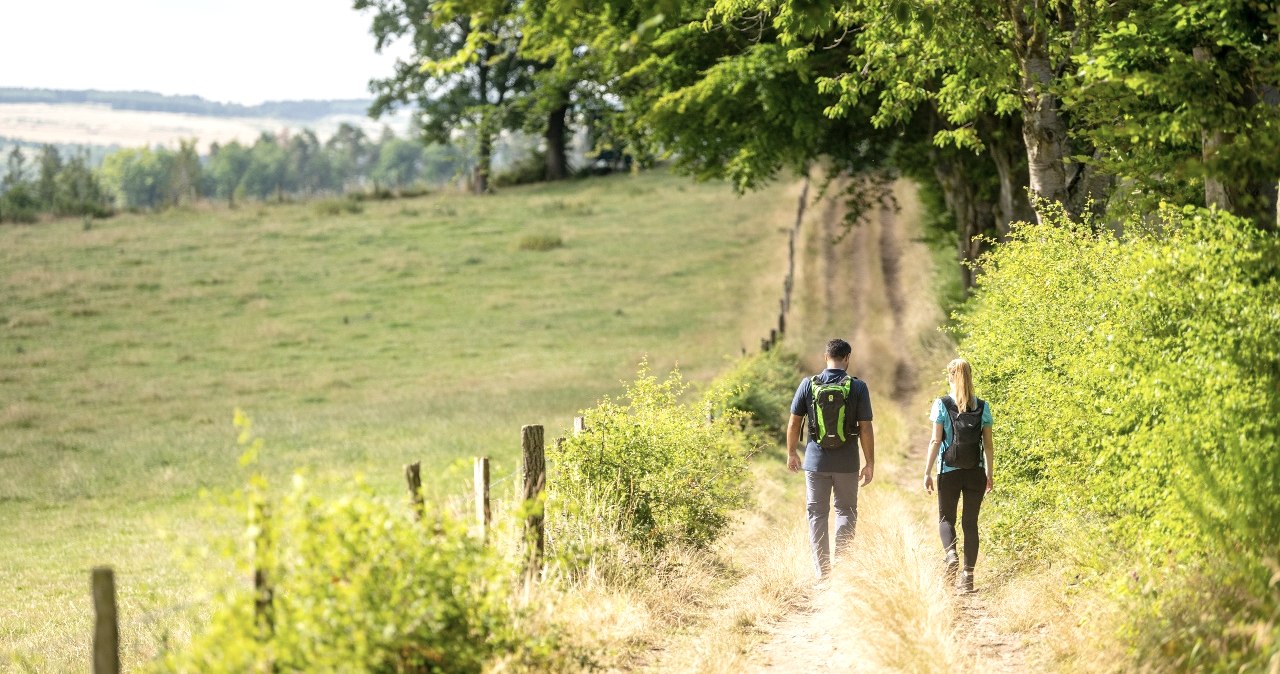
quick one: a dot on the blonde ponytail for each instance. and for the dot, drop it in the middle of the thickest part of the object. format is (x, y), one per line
(960, 379)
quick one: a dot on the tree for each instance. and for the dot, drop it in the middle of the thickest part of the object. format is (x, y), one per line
(184, 173)
(266, 173)
(399, 163)
(466, 71)
(1185, 96)
(350, 153)
(137, 177)
(18, 201)
(78, 190)
(15, 169)
(49, 165)
(227, 167)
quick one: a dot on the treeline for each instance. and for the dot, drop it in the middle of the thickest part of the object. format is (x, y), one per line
(982, 104)
(195, 105)
(274, 167)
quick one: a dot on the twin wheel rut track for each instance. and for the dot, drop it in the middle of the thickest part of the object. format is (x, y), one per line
(887, 271)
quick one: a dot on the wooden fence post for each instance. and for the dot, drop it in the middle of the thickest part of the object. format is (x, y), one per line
(413, 475)
(535, 478)
(579, 425)
(483, 514)
(106, 631)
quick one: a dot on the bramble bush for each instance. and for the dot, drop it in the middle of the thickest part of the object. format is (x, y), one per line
(358, 586)
(1137, 382)
(650, 469)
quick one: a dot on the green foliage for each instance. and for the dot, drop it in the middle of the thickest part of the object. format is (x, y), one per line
(1179, 92)
(471, 75)
(61, 187)
(357, 585)
(531, 169)
(649, 467)
(761, 386)
(1138, 386)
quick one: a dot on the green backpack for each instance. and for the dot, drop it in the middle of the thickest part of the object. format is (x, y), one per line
(832, 421)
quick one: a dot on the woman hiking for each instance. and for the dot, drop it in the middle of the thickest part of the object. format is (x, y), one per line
(960, 456)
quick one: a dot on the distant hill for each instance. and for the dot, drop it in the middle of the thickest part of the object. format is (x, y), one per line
(153, 102)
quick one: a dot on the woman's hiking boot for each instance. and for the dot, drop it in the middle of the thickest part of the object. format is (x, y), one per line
(952, 566)
(966, 582)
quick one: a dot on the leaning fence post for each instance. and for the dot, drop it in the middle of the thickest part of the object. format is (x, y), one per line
(106, 631)
(535, 478)
(483, 514)
(413, 475)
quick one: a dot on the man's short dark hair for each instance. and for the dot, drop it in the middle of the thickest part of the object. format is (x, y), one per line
(838, 349)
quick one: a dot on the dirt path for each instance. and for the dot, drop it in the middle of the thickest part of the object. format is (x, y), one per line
(888, 609)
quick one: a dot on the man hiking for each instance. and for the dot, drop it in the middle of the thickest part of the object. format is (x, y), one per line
(838, 408)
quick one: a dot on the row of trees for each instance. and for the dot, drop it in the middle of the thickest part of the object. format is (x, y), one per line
(52, 184)
(273, 167)
(980, 102)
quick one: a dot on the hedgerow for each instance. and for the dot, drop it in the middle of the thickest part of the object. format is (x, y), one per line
(1137, 379)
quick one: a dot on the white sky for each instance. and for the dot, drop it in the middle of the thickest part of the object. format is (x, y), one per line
(241, 51)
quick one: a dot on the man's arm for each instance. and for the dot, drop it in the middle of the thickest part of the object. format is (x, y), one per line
(867, 435)
(793, 442)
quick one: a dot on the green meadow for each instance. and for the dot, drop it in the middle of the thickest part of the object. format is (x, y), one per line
(423, 329)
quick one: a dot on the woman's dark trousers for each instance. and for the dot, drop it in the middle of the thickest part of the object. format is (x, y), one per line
(972, 484)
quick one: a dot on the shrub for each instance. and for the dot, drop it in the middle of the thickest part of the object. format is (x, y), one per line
(358, 586)
(1136, 383)
(650, 468)
(761, 386)
(540, 242)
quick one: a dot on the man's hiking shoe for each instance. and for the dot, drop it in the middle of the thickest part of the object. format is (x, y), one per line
(952, 565)
(966, 582)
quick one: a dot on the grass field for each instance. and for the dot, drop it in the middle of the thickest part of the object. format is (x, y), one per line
(416, 330)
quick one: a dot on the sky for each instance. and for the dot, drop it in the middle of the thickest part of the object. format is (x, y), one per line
(238, 51)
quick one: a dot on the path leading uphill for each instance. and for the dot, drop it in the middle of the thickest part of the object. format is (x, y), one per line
(885, 607)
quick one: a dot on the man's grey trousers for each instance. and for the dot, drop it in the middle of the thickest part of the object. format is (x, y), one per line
(819, 489)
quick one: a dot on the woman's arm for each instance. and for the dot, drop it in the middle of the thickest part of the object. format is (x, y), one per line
(989, 451)
(934, 443)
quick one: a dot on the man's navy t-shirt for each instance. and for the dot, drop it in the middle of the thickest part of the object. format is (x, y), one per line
(845, 459)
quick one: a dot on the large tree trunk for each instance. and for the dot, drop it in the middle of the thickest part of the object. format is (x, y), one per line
(1003, 140)
(1043, 130)
(972, 213)
(1255, 196)
(557, 156)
